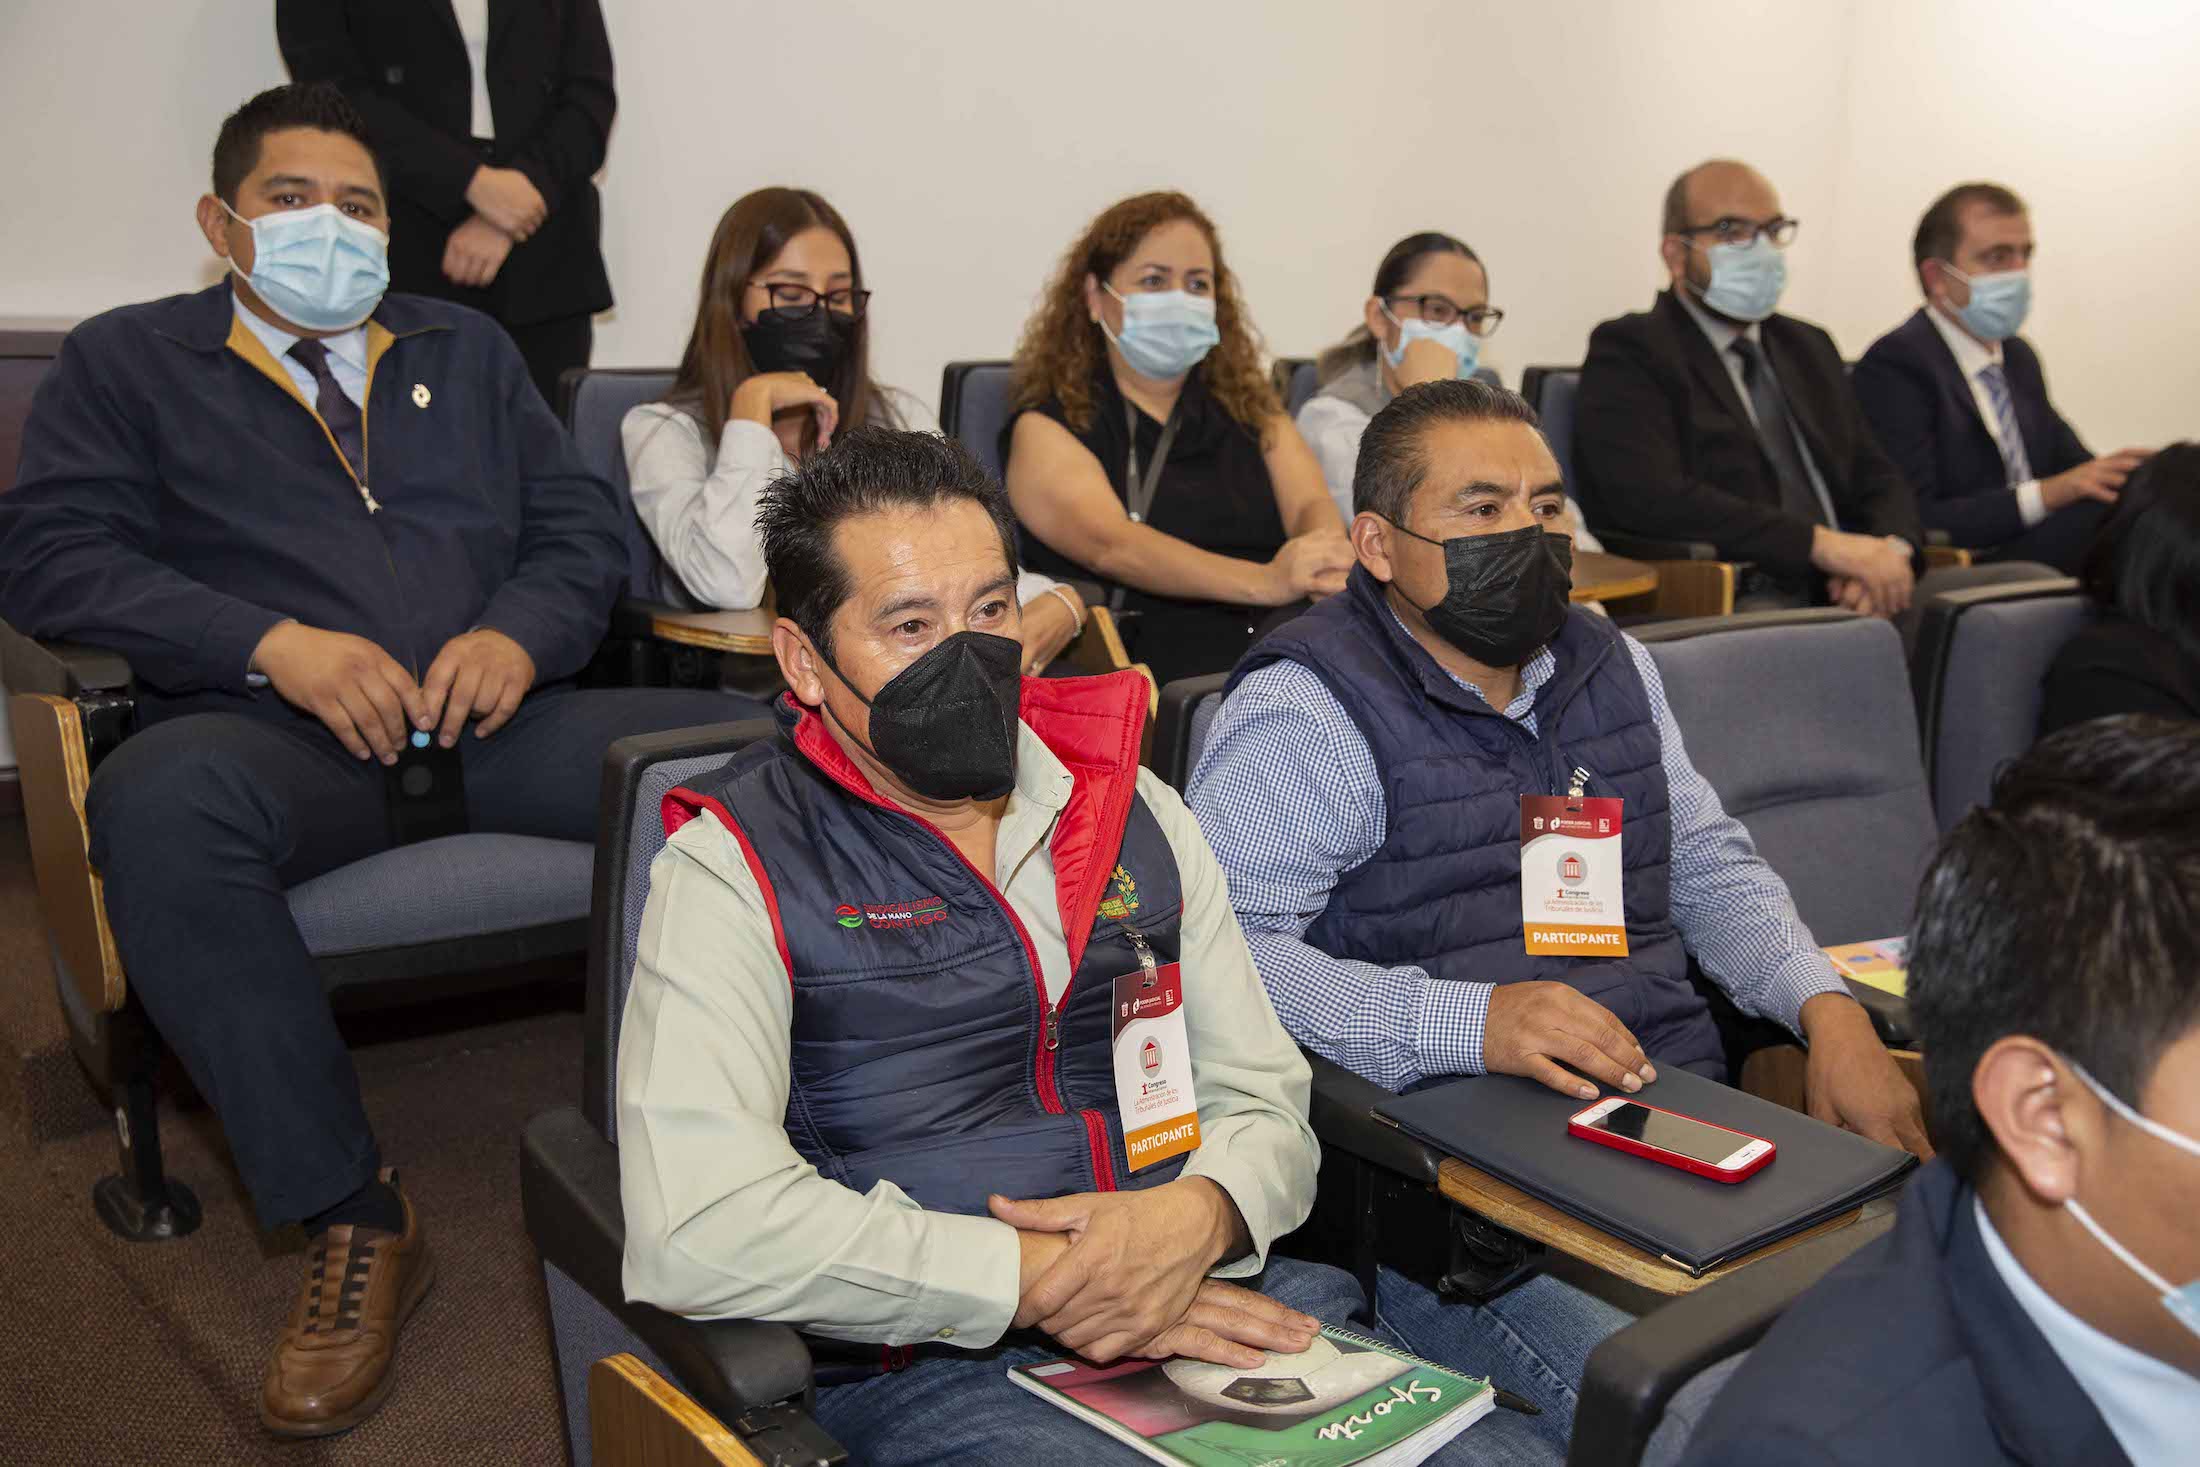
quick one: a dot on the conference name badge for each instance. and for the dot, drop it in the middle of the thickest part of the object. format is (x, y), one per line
(1153, 1062)
(1570, 894)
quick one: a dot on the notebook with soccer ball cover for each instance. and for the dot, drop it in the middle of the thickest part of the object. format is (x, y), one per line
(1344, 1401)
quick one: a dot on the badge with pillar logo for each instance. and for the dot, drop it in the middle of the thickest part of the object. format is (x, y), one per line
(1119, 907)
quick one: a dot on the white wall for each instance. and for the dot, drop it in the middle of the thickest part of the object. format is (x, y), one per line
(968, 140)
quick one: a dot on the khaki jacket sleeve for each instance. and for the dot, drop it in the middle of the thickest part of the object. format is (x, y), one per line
(1250, 1079)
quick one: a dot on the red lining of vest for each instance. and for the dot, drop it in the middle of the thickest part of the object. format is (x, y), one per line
(1094, 726)
(682, 805)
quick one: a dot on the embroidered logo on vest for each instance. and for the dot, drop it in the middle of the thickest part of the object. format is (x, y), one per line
(922, 912)
(1125, 900)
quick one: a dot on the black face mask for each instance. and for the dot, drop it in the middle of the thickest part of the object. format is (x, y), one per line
(946, 724)
(816, 343)
(1504, 595)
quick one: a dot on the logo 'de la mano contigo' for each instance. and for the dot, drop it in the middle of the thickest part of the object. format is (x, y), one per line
(922, 912)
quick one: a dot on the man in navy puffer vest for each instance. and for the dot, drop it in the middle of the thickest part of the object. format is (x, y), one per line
(867, 1079)
(1363, 783)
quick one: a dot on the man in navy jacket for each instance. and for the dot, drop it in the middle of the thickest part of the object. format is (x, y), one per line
(323, 525)
(2039, 1298)
(1959, 402)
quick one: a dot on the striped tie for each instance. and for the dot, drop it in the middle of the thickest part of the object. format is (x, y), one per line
(2005, 413)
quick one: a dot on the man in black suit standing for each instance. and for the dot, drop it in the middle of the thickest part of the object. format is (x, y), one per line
(1710, 418)
(1958, 400)
(490, 117)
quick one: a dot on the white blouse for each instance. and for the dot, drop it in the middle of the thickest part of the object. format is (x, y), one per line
(700, 507)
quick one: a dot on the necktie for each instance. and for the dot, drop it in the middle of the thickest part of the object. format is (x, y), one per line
(338, 411)
(1776, 431)
(2013, 456)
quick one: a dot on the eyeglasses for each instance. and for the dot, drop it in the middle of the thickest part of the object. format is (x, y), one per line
(797, 301)
(1734, 231)
(1440, 310)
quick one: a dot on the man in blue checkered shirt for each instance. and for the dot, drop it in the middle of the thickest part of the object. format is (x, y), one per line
(1361, 786)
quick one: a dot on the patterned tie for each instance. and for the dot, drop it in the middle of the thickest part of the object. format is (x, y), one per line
(338, 411)
(1776, 431)
(2013, 456)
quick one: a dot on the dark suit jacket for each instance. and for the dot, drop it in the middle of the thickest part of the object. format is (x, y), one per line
(404, 67)
(2114, 665)
(1927, 419)
(178, 499)
(1913, 1351)
(1663, 445)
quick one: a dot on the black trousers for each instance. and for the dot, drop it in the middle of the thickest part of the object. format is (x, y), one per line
(199, 823)
(549, 347)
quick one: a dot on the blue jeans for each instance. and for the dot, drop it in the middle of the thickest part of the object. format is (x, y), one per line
(962, 1409)
(1533, 1340)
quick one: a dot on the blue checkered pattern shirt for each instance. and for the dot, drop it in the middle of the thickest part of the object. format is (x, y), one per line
(1289, 797)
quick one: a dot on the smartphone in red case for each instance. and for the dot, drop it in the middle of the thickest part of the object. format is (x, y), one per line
(1717, 1152)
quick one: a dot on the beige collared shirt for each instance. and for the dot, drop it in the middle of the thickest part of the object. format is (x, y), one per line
(725, 1219)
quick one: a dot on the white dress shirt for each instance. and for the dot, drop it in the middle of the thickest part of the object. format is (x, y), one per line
(473, 29)
(700, 507)
(1973, 357)
(2151, 1407)
(347, 355)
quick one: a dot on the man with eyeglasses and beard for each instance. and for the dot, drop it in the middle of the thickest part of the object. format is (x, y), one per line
(1711, 418)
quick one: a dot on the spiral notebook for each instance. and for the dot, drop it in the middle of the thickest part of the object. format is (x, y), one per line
(1344, 1401)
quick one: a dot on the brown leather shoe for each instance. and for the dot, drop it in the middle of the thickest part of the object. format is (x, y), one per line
(331, 1369)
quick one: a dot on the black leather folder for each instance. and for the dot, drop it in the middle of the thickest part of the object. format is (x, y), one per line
(1515, 1129)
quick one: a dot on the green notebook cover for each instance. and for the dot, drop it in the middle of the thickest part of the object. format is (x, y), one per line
(1345, 1401)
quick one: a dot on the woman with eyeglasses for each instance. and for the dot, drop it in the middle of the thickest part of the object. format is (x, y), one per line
(1424, 321)
(1148, 451)
(777, 363)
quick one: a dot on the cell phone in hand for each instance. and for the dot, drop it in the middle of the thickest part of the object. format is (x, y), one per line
(1717, 1152)
(425, 791)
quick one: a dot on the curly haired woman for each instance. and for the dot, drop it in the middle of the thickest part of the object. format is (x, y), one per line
(1148, 451)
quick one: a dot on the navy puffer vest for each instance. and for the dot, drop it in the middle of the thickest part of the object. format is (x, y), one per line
(924, 1052)
(1443, 891)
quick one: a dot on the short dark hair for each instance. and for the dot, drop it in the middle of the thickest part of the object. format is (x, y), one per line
(2067, 909)
(866, 470)
(1941, 230)
(1393, 455)
(318, 105)
(2144, 563)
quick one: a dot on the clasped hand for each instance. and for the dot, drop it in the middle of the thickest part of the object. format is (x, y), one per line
(1115, 1274)
(367, 699)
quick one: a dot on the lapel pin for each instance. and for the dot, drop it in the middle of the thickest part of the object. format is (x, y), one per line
(421, 395)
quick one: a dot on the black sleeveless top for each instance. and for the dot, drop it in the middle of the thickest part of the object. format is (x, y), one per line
(1214, 493)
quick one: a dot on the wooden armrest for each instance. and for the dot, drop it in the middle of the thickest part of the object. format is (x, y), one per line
(637, 1418)
(1099, 647)
(1694, 588)
(1514, 1210)
(748, 633)
(55, 771)
(1939, 556)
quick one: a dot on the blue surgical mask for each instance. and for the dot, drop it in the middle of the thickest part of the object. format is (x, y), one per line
(317, 268)
(1998, 305)
(2181, 1301)
(1165, 333)
(1454, 338)
(1746, 279)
